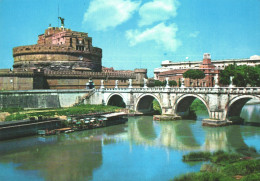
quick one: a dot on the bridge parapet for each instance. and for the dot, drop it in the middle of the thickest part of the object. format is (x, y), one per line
(199, 90)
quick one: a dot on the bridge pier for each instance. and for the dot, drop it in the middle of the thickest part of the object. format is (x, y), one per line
(216, 118)
(217, 114)
(167, 110)
(130, 106)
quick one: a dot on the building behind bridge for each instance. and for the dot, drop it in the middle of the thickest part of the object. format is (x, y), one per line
(175, 70)
(63, 59)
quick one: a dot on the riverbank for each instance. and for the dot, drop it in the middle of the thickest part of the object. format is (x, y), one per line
(21, 114)
(30, 127)
(224, 166)
(18, 122)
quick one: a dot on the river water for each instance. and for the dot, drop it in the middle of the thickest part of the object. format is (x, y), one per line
(141, 149)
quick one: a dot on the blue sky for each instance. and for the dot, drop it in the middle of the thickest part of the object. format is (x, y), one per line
(139, 33)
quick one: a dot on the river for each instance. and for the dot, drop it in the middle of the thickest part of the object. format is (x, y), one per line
(141, 149)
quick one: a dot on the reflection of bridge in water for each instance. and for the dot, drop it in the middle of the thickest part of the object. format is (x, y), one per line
(179, 135)
(221, 103)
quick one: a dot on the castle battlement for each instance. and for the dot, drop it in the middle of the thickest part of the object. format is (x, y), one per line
(100, 75)
(52, 49)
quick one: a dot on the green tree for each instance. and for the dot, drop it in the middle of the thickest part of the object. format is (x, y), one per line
(158, 83)
(156, 106)
(172, 83)
(243, 75)
(194, 74)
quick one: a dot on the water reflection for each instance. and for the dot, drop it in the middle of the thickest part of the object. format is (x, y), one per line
(60, 157)
(182, 135)
(251, 113)
(141, 149)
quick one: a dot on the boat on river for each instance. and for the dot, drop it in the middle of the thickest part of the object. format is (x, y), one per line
(114, 118)
(84, 123)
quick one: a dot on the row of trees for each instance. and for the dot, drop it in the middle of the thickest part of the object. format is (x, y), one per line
(194, 74)
(243, 75)
(158, 83)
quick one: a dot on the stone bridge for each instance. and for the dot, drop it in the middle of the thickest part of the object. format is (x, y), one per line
(221, 102)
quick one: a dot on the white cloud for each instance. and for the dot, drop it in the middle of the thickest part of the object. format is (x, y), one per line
(104, 14)
(194, 34)
(163, 35)
(157, 10)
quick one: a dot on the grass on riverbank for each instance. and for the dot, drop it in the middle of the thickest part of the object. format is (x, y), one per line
(71, 111)
(223, 167)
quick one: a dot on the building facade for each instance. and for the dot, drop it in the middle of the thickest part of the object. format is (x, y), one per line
(175, 70)
(219, 64)
(206, 66)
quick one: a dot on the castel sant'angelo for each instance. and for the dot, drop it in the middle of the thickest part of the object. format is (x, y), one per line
(63, 59)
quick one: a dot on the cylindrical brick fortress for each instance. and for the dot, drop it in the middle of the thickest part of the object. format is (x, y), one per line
(59, 49)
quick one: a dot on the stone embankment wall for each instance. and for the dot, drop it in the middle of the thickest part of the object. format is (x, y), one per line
(17, 129)
(33, 99)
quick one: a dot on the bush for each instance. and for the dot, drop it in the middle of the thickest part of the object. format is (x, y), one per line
(245, 167)
(220, 157)
(203, 176)
(197, 156)
(251, 177)
(231, 165)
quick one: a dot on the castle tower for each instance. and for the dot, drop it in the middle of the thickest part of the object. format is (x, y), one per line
(59, 48)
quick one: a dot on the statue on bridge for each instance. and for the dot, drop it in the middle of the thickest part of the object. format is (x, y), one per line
(182, 82)
(216, 81)
(130, 84)
(167, 82)
(145, 83)
(231, 82)
(116, 84)
(102, 84)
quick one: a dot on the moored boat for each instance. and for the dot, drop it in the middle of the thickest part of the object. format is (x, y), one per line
(114, 118)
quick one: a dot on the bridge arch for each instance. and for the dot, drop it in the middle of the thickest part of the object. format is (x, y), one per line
(183, 103)
(116, 99)
(144, 103)
(235, 105)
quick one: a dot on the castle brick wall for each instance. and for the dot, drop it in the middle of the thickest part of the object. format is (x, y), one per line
(56, 57)
(16, 83)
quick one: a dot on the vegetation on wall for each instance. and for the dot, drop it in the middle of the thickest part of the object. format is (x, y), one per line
(243, 75)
